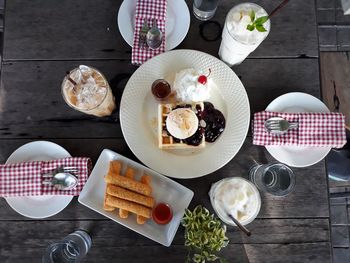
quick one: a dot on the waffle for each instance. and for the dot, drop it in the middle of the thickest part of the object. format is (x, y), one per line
(165, 140)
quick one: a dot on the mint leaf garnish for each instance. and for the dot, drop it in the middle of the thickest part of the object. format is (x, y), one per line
(252, 15)
(251, 27)
(257, 23)
(260, 28)
(261, 20)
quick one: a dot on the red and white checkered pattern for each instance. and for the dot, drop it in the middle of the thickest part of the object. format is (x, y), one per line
(315, 129)
(149, 10)
(25, 179)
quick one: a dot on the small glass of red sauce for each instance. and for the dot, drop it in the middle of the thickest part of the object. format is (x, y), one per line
(162, 214)
(161, 89)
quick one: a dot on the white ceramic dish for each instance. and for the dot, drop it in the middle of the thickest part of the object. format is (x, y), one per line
(176, 27)
(164, 190)
(297, 156)
(138, 115)
(38, 206)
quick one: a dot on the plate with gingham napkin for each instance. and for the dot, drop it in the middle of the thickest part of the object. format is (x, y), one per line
(297, 155)
(40, 206)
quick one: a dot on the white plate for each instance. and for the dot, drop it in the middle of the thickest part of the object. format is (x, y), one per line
(176, 26)
(138, 115)
(38, 206)
(297, 156)
(164, 190)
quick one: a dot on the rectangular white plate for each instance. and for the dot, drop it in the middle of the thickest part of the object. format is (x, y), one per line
(164, 191)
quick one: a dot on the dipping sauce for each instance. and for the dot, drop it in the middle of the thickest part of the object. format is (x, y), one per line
(236, 196)
(161, 89)
(162, 214)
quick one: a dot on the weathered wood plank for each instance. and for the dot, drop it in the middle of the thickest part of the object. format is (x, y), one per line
(309, 199)
(265, 231)
(255, 253)
(335, 79)
(88, 29)
(33, 107)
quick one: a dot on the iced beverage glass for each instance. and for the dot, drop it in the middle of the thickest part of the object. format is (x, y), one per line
(87, 90)
(237, 41)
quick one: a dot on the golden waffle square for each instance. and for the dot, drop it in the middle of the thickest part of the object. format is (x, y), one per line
(165, 140)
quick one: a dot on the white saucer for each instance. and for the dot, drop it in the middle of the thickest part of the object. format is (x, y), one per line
(176, 27)
(297, 156)
(38, 206)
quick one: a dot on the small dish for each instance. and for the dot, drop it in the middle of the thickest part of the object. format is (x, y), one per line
(164, 191)
(176, 26)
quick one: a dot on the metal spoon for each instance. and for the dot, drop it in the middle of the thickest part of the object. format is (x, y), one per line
(278, 125)
(63, 181)
(154, 37)
(240, 226)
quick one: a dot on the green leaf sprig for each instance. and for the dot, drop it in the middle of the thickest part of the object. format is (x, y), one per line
(205, 235)
(257, 23)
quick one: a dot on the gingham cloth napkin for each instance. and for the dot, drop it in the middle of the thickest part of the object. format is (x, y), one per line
(149, 10)
(25, 179)
(315, 129)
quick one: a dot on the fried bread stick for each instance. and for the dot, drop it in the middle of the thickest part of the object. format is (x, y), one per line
(129, 206)
(129, 184)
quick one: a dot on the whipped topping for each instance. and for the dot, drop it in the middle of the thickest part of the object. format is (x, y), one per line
(235, 196)
(238, 19)
(182, 123)
(187, 87)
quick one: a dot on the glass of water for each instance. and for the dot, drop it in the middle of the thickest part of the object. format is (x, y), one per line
(72, 249)
(276, 178)
(204, 9)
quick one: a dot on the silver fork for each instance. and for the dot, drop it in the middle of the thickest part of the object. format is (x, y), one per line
(61, 169)
(143, 33)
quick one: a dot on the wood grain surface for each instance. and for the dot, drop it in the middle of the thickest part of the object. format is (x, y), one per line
(88, 29)
(44, 39)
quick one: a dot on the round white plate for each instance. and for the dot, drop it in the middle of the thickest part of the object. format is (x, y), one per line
(176, 26)
(38, 206)
(297, 156)
(138, 115)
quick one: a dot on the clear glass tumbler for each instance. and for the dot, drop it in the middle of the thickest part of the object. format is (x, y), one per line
(276, 178)
(87, 90)
(204, 9)
(72, 249)
(237, 41)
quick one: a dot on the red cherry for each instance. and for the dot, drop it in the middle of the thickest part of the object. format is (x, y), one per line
(202, 79)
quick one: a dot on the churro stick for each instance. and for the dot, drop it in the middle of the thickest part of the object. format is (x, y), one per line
(125, 194)
(114, 168)
(130, 206)
(129, 174)
(128, 183)
(146, 179)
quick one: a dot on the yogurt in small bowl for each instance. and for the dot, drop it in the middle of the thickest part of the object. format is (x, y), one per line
(236, 196)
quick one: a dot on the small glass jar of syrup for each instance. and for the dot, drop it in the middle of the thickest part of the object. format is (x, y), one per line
(161, 89)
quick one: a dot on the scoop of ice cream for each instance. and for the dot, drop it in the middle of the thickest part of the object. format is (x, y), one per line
(188, 88)
(182, 123)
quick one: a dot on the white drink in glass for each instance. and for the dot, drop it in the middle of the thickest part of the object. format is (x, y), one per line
(237, 41)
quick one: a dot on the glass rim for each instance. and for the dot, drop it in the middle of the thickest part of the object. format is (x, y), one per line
(77, 108)
(279, 193)
(231, 10)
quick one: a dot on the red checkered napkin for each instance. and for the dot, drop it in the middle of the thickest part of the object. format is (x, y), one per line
(25, 179)
(315, 129)
(149, 10)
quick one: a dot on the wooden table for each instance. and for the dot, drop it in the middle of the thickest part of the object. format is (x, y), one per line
(43, 39)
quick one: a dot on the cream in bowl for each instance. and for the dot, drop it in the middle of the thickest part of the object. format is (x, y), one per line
(236, 196)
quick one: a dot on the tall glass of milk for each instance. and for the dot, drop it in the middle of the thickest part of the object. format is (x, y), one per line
(237, 41)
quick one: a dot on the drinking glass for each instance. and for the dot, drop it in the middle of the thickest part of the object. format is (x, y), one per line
(73, 248)
(276, 178)
(237, 41)
(87, 90)
(204, 9)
